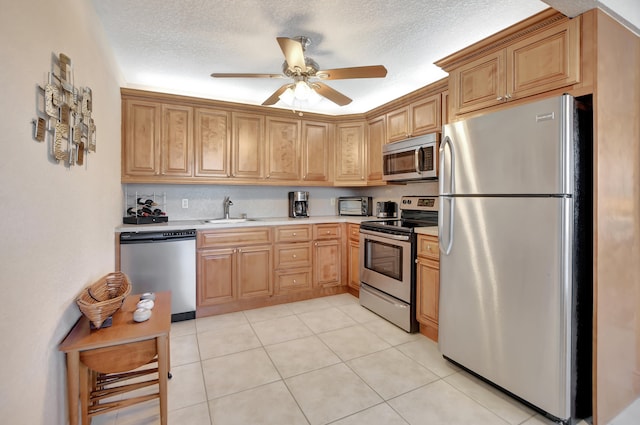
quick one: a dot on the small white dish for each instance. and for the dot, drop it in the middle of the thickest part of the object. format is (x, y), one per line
(148, 296)
(148, 304)
(141, 314)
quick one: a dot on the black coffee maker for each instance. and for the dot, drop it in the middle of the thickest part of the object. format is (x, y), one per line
(298, 204)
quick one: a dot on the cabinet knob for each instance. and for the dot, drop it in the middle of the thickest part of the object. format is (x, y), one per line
(429, 247)
(294, 233)
(507, 96)
(499, 98)
(294, 281)
(328, 232)
(295, 256)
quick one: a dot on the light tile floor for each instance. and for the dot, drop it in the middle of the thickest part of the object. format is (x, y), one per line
(321, 361)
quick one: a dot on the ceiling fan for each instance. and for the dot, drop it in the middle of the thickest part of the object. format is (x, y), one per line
(306, 74)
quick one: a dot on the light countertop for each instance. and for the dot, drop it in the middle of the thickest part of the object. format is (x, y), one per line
(200, 224)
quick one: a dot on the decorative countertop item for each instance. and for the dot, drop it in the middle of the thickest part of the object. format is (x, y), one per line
(141, 314)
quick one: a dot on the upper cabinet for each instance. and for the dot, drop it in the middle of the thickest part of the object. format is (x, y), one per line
(176, 149)
(316, 151)
(247, 146)
(538, 55)
(420, 117)
(212, 143)
(140, 138)
(376, 138)
(350, 154)
(283, 149)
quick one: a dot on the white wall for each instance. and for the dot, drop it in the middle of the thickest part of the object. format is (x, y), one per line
(56, 224)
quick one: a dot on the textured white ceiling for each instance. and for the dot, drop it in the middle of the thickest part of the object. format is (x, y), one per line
(174, 46)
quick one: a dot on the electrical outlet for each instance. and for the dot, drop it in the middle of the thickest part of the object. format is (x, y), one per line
(185, 203)
(333, 201)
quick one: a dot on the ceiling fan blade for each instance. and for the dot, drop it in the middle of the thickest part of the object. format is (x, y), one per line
(232, 75)
(374, 71)
(331, 94)
(293, 52)
(275, 97)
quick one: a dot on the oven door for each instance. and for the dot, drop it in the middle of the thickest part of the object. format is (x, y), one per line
(385, 263)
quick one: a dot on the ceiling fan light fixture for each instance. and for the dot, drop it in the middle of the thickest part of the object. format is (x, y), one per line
(302, 90)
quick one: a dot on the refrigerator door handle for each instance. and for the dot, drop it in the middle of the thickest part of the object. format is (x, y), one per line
(445, 238)
(447, 142)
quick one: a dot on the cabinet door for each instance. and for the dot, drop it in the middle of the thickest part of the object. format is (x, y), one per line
(350, 153)
(283, 152)
(316, 151)
(425, 116)
(480, 83)
(177, 141)
(545, 61)
(327, 263)
(375, 141)
(254, 271)
(354, 263)
(398, 125)
(428, 288)
(141, 142)
(445, 107)
(216, 272)
(247, 142)
(212, 143)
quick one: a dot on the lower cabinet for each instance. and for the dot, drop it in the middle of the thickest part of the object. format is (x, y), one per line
(327, 255)
(353, 256)
(250, 267)
(428, 285)
(293, 259)
(233, 264)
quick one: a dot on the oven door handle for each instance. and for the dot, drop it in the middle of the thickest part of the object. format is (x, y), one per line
(385, 235)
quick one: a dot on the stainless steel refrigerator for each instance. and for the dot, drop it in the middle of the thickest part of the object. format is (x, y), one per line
(515, 236)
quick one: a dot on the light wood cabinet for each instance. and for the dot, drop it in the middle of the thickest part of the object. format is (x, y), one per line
(293, 254)
(526, 64)
(428, 285)
(376, 138)
(316, 152)
(327, 254)
(420, 117)
(247, 146)
(353, 256)
(176, 148)
(233, 264)
(212, 143)
(141, 138)
(350, 154)
(283, 149)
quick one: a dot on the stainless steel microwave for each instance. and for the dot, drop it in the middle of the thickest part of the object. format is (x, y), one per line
(355, 205)
(411, 159)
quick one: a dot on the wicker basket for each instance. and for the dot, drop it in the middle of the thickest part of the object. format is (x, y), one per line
(101, 299)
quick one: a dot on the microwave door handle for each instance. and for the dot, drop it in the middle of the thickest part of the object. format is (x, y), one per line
(417, 158)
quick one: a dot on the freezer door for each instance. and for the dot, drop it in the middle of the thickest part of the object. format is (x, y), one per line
(505, 297)
(526, 149)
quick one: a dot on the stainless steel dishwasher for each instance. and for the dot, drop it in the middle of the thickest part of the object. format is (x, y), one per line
(162, 261)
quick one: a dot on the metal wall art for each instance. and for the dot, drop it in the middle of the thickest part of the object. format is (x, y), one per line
(64, 119)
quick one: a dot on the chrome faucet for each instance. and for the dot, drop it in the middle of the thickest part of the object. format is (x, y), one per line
(225, 205)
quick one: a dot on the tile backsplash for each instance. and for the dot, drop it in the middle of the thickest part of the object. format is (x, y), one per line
(205, 201)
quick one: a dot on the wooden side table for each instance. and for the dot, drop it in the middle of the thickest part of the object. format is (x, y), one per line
(101, 362)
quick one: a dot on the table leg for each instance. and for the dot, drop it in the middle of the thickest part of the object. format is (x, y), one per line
(73, 381)
(84, 393)
(163, 371)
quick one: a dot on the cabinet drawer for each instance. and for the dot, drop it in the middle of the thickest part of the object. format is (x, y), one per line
(353, 230)
(293, 255)
(293, 280)
(327, 231)
(234, 237)
(293, 233)
(428, 247)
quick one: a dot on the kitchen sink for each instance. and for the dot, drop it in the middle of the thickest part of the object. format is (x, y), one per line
(227, 220)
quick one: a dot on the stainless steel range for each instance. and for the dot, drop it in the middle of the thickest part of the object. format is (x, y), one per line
(387, 261)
